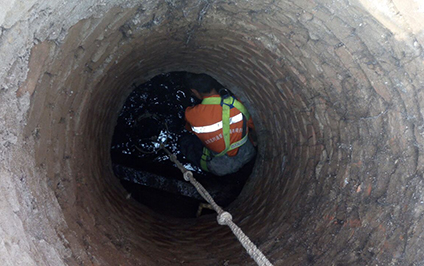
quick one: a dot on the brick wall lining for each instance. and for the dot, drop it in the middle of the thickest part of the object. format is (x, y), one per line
(335, 97)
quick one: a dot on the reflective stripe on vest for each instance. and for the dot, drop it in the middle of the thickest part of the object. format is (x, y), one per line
(217, 126)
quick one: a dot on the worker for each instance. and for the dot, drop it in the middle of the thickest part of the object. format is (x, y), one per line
(219, 141)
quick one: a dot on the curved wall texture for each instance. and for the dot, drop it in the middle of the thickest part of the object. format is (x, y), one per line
(335, 89)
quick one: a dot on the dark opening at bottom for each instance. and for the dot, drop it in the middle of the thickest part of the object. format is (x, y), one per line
(153, 114)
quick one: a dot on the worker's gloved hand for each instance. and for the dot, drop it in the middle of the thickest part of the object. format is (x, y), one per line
(185, 99)
(182, 98)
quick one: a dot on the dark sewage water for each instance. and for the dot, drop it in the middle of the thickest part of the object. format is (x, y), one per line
(153, 114)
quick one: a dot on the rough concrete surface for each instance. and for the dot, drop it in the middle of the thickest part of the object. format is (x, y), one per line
(335, 89)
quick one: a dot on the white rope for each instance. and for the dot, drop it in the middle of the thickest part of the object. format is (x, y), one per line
(224, 218)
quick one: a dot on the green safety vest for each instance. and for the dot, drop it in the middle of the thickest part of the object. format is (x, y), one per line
(227, 104)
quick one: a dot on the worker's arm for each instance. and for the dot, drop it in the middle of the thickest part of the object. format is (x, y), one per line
(188, 125)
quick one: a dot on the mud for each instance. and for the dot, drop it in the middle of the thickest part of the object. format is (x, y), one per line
(153, 115)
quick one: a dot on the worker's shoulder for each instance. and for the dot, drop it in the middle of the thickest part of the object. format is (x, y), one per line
(193, 111)
(200, 108)
(202, 112)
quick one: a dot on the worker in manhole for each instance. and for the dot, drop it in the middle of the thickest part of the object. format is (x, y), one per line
(221, 138)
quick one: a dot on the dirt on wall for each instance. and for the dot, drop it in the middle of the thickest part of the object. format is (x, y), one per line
(335, 91)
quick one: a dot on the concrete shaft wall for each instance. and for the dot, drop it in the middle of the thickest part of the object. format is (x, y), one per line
(335, 89)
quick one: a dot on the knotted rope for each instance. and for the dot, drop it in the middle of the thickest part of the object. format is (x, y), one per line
(224, 218)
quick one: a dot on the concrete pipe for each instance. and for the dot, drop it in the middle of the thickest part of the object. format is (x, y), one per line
(335, 89)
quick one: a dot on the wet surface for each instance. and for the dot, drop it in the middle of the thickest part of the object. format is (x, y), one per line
(154, 114)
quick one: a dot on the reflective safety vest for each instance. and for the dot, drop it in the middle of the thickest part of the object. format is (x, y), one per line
(227, 103)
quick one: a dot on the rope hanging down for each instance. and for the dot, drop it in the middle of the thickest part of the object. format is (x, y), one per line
(224, 218)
